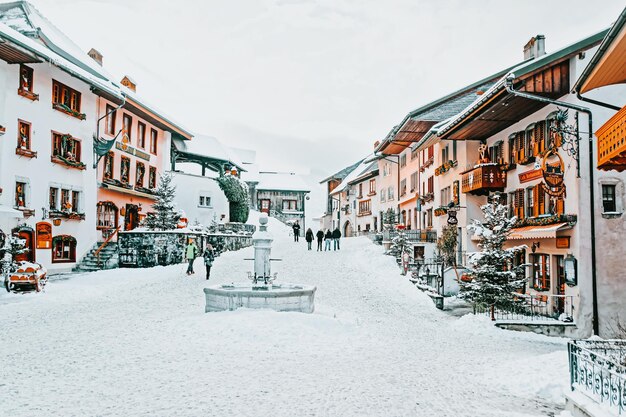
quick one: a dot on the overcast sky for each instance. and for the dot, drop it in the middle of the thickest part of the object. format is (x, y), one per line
(312, 84)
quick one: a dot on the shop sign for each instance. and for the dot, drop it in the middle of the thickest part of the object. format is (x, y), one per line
(553, 174)
(44, 235)
(533, 174)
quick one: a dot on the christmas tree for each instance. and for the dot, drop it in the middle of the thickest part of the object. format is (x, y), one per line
(493, 276)
(165, 215)
(389, 219)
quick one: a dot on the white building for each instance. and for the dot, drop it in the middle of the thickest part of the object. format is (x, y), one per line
(49, 113)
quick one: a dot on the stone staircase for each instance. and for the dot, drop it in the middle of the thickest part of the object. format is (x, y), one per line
(108, 258)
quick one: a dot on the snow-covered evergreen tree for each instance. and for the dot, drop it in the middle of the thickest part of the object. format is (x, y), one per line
(494, 277)
(165, 215)
(390, 219)
(400, 244)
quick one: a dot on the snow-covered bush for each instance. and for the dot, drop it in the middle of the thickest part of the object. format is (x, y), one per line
(236, 192)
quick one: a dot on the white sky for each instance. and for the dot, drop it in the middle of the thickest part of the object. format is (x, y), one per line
(311, 84)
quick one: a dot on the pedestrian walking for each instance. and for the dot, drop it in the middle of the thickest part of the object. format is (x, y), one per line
(209, 257)
(308, 236)
(296, 231)
(336, 237)
(328, 237)
(190, 254)
(320, 239)
(406, 258)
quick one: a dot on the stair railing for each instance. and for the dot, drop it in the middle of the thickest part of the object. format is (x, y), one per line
(106, 242)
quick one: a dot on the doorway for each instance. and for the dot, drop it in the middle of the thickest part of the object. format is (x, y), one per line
(265, 206)
(28, 235)
(131, 217)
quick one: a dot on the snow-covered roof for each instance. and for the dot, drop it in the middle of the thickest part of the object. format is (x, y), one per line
(46, 54)
(208, 147)
(246, 156)
(342, 173)
(355, 173)
(280, 181)
(26, 19)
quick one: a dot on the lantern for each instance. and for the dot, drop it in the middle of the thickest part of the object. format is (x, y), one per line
(56, 222)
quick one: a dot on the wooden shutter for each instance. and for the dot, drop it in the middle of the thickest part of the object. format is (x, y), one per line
(541, 199)
(536, 200)
(560, 206)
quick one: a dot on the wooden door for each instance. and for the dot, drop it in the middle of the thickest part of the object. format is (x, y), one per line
(265, 206)
(131, 220)
(29, 243)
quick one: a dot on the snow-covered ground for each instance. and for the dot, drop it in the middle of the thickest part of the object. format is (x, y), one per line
(136, 342)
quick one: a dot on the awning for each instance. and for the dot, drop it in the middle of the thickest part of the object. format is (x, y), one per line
(8, 212)
(537, 232)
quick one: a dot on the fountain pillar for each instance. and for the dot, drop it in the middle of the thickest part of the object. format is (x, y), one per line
(262, 241)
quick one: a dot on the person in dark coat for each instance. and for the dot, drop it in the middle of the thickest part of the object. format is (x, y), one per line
(296, 231)
(308, 236)
(320, 239)
(209, 257)
(336, 237)
(328, 237)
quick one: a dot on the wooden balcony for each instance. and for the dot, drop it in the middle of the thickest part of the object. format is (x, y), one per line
(483, 179)
(612, 143)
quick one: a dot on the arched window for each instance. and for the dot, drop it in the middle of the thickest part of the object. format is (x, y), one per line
(63, 249)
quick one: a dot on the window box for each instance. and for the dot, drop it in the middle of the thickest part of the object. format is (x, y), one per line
(428, 197)
(445, 167)
(508, 167)
(70, 215)
(440, 211)
(64, 109)
(527, 160)
(26, 211)
(57, 159)
(25, 152)
(28, 94)
(144, 190)
(371, 193)
(571, 219)
(116, 183)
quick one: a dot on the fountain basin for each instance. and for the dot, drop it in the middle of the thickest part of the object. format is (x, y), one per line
(278, 297)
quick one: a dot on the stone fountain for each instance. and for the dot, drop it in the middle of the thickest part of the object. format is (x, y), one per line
(261, 292)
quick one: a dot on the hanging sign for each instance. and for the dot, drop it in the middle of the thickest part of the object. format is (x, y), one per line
(455, 192)
(553, 174)
(452, 220)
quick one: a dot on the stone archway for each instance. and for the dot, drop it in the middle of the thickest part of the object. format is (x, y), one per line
(347, 229)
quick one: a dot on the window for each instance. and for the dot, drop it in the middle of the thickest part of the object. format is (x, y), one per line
(290, 205)
(454, 150)
(205, 201)
(65, 200)
(402, 160)
(65, 147)
(429, 218)
(444, 155)
(75, 202)
(608, 198)
(153, 141)
(125, 170)
(63, 249)
(110, 119)
(413, 181)
(25, 88)
(53, 198)
(402, 187)
(431, 184)
(65, 98)
(530, 202)
(141, 135)
(372, 187)
(20, 194)
(23, 135)
(152, 178)
(541, 271)
(431, 152)
(127, 122)
(517, 147)
(139, 174)
(360, 191)
(519, 203)
(382, 196)
(365, 207)
(106, 215)
(107, 174)
(390, 194)
(414, 154)
(446, 196)
(539, 144)
(496, 153)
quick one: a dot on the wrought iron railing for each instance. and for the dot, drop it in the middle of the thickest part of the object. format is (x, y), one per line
(534, 307)
(598, 370)
(413, 235)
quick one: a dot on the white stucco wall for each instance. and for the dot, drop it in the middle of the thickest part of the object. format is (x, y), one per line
(189, 188)
(40, 172)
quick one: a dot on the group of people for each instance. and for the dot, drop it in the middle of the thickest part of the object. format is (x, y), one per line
(331, 238)
(208, 255)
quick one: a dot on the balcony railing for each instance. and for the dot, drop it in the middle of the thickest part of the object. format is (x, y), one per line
(483, 179)
(428, 236)
(535, 307)
(597, 369)
(612, 143)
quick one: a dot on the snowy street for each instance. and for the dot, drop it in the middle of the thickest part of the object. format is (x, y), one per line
(133, 342)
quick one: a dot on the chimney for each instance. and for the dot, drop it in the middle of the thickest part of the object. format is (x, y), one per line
(535, 47)
(128, 82)
(95, 55)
